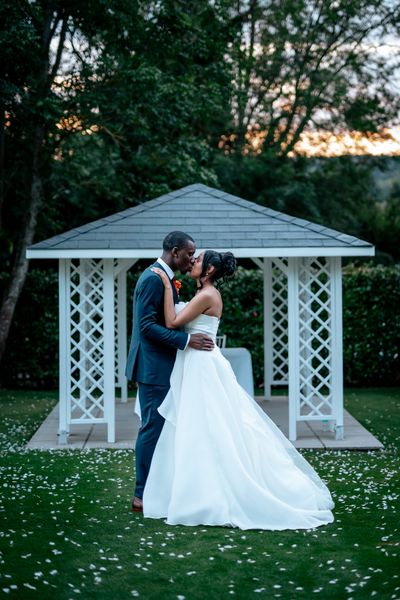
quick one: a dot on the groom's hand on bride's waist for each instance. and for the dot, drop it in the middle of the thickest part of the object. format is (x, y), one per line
(200, 341)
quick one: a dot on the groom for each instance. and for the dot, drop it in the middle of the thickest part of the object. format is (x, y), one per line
(153, 348)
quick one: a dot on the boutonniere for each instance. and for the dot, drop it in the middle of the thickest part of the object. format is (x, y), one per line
(177, 284)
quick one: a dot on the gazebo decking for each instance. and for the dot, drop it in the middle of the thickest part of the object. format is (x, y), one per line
(309, 434)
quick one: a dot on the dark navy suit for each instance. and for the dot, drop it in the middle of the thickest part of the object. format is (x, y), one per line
(150, 362)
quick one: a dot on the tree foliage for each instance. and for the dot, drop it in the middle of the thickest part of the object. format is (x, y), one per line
(384, 230)
(107, 103)
(371, 325)
(28, 110)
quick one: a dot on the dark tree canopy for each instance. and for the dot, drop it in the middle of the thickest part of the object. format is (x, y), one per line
(107, 104)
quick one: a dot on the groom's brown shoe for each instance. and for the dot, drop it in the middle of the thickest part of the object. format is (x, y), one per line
(137, 504)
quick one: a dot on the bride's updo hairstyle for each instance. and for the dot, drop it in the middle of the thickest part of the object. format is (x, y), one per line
(224, 262)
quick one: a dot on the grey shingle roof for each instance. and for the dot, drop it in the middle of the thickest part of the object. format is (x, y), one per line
(212, 217)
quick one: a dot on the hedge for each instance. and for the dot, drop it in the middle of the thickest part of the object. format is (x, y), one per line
(371, 317)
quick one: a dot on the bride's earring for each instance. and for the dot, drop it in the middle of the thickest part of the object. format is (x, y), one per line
(210, 272)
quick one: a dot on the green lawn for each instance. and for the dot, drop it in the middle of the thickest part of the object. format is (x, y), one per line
(66, 529)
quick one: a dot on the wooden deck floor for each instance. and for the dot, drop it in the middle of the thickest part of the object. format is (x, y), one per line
(310, 434)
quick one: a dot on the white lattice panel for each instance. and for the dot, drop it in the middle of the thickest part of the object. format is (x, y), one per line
(86, 393)
(315, 339)
(279, 306)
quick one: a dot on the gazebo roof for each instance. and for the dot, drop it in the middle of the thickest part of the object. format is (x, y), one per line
(213, 218)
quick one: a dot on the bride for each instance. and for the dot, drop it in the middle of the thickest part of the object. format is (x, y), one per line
(220, 460)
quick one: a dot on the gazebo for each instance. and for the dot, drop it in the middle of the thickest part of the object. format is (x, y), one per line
(301, 265)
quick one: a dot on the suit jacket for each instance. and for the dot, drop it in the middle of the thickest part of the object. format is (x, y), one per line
(153, 347)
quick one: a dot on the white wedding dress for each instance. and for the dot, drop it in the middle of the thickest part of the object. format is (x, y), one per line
(220, 460)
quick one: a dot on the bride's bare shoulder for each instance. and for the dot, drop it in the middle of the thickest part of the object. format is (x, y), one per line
(209, 292)
(212, 301)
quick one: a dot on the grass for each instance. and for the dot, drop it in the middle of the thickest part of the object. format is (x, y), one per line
(66, 529)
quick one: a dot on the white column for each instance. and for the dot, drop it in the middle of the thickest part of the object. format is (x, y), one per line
(121, 334)
(337, 345)
(64, 346)
(268, 328)
(293, 330)
(85, 273)
(109, 348)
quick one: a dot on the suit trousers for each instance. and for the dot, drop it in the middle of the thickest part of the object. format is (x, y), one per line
(150, 398)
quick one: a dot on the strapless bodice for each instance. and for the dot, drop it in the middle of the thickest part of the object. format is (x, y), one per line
(201, 324)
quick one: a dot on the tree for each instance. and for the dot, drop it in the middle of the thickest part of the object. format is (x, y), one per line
(310, 64)
(47, 48)
(167, 104)
(28, 107)
(105, 105)
(385, 231)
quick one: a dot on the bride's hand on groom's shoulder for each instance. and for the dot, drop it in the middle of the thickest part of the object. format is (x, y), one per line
(162, 274)
(200, 341)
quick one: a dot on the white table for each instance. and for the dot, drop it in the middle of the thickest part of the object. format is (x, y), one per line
(240, 359)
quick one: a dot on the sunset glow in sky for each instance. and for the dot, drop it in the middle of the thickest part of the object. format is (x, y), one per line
(385, 143)
(327, 144)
